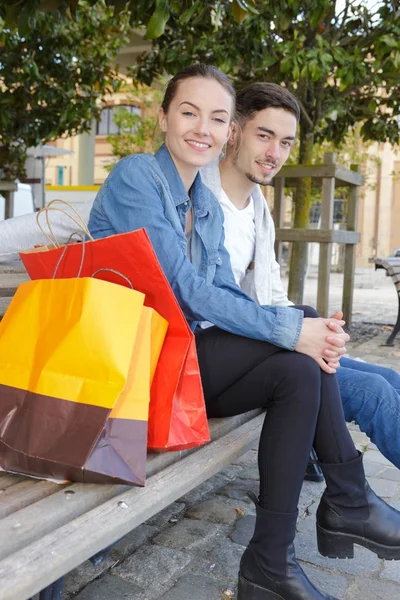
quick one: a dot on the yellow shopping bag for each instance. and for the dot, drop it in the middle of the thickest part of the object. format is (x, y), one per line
(71, 352)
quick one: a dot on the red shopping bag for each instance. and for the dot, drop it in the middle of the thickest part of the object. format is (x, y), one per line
(177, 418)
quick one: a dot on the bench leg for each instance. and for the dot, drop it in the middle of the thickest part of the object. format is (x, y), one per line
(101, 556)
(395, 331)
(53, 591)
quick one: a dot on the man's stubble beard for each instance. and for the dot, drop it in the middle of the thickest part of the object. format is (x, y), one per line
(257, 180)
(253, 178)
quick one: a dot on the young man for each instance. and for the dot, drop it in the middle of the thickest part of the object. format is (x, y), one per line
(267, 119)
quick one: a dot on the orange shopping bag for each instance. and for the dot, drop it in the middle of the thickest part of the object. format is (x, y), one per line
(177, 417)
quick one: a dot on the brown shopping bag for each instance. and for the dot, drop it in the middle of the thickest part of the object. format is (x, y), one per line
(75, 375)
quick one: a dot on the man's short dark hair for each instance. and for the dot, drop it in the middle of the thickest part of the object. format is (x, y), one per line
(261, 95)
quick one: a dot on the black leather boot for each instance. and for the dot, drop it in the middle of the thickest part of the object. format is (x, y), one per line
(268, 568)
(351, 513)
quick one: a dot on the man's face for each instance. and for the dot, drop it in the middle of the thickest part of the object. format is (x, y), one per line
(266, 142)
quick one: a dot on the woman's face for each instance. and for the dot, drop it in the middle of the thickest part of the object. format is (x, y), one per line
(197, 123)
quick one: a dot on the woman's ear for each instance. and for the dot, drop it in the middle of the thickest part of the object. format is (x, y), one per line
(232, 134)
(162, 120)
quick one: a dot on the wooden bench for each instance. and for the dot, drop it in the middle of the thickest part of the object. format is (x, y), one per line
(392, 266)
(46, 529)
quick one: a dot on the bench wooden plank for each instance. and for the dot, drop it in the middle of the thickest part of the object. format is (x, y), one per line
(23, 494)
(7, 480)
(8, 285)
(11, 281)
(70, 501)
(4, 302)
(56, 553)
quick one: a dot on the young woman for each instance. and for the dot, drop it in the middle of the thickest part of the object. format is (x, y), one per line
(252, 356)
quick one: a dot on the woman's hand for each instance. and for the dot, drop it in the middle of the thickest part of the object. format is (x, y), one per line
(323, 340)
(335, 324)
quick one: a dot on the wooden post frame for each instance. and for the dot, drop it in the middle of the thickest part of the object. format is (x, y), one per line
(328, 176)
(350, 253)
(325, 248)
(279, 210)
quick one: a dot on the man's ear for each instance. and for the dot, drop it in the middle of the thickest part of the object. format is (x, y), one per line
(162, 120)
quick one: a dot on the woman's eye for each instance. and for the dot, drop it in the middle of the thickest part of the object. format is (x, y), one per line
(218, 120)
(187, 113)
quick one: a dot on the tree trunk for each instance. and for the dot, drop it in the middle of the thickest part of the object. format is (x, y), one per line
(302, 202)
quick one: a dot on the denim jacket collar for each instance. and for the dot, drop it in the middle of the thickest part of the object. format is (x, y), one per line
(201, 202)
(167, 165)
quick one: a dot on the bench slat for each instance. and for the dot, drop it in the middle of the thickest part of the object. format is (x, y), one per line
(73, 500)
(23, 494)
(4, 302)
(34, 567)
(11, 281)
(23, 527)
(7, 480)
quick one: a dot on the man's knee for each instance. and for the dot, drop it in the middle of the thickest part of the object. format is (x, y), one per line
(308, 311)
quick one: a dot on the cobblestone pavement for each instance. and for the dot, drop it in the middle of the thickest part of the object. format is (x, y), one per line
(191, 550)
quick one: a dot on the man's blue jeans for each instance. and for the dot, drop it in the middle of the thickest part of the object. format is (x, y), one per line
(371, 398)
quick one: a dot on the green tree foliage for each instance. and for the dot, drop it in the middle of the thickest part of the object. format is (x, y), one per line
(341, 60)
(152, 14)
(137, 133)
(52, 79)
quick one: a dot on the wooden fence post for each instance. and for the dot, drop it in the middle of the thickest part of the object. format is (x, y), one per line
(278, 214)
(350, 252)
(325, 248)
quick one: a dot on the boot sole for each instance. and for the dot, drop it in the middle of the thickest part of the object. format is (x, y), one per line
(341, 545)
(247, 590)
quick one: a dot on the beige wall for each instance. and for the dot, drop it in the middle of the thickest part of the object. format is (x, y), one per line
(395, 231)
(70, 163)
(379, 216)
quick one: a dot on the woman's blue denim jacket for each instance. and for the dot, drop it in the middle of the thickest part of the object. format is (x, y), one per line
(146, 191)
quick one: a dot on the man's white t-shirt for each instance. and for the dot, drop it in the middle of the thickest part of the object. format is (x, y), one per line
(240, 235)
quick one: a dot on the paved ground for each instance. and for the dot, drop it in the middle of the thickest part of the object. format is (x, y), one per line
(191, 551)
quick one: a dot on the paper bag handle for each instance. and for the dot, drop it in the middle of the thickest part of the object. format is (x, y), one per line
(116, 273)
(77, 219)
(80, 235)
